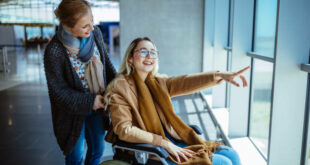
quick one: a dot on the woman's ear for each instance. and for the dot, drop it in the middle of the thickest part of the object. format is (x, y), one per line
(130, 60)
(67, 28)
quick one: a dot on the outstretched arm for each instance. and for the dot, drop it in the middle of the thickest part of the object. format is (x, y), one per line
(187, 84)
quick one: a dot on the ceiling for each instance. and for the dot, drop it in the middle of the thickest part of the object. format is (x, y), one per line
(35, 3)
(41, 11)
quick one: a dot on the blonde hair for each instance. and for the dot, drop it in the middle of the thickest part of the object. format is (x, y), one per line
(126, 68)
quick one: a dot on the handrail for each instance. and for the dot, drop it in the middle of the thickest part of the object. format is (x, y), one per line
(213, 118)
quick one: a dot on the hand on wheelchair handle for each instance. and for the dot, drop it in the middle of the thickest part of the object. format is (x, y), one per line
(98, 103)
(179, 152)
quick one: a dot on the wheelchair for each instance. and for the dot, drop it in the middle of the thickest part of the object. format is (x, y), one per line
(142, 152)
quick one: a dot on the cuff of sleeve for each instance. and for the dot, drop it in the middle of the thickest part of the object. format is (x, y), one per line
(157, 140)
(215, 74)
(215, 79)
(86, 108)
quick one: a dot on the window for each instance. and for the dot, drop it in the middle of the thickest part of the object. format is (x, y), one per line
(263, 46)
(33, 32)
(265, 27)
(261, 104)
(222, 49)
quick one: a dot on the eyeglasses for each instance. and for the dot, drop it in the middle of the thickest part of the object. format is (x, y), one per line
(144, 52)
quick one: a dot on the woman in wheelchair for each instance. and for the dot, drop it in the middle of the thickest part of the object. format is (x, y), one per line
(139, 100)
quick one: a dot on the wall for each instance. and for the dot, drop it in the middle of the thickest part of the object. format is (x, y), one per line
(176, 27)
(290, 83)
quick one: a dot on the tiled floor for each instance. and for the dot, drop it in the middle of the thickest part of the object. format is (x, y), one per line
(25, 118)
(26, 127)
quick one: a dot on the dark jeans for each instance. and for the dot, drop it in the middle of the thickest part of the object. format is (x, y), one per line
(93, 133)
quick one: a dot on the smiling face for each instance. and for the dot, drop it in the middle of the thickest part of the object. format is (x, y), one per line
(83, 27)
(143, 65)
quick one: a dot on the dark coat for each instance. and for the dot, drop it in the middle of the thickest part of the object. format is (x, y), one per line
(70, 102)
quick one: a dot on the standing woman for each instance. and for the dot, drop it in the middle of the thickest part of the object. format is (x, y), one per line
(77, 70)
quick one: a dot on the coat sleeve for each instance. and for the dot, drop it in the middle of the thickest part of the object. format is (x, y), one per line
(191, 83)
(122, 121)
(61, 94)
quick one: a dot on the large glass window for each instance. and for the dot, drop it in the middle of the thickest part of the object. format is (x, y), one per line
(261, 104)
(265, 27)
(262, 55)
(33, 32)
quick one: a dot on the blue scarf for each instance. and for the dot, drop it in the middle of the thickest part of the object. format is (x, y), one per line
(85, 45)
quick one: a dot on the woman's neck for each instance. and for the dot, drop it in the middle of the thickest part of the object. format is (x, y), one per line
(142, 75)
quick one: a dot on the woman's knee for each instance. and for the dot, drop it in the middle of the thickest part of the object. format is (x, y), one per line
(221, 160)
(230, 153)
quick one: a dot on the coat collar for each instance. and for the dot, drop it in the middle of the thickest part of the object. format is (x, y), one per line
(132, 84)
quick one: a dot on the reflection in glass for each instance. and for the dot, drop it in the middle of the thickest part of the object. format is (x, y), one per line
(265, 27)
(260, 104)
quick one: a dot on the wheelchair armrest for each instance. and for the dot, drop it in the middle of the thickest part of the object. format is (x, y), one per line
(144, 147)
(196, 129)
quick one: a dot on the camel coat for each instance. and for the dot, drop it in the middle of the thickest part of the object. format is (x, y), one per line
(127, 122)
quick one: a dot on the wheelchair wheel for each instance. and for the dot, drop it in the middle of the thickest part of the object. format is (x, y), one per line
(114, 162)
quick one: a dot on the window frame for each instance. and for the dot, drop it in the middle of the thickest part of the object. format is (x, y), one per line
(255, 55)
(306, 133)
